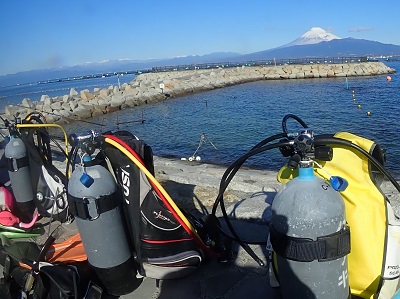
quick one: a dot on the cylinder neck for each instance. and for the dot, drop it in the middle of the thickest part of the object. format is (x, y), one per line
(306, 171)
(89, 161)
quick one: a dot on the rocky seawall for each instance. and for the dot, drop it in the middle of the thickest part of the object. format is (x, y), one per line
(153, 87)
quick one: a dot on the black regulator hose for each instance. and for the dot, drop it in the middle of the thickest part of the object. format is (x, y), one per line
(71, 160)
(286, 117)
(226, 179)
(46, 133)
(269, 139)
(235, 166)
(325, 140)
(44, 145)
(33, 115)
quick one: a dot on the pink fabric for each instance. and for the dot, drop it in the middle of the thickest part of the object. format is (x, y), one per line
(30, 224)
(8, 219)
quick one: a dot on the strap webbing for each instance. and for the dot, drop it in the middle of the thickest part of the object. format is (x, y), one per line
(90, 208)
(14, 164)
(325, 248)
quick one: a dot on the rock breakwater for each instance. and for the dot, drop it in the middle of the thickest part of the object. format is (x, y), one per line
(159, 86)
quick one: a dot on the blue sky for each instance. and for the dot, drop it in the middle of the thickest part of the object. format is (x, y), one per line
(43, 34)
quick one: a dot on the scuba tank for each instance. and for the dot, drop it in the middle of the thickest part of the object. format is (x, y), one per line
(305, 233)
(20, 177)
(309, 234)
(96, 205)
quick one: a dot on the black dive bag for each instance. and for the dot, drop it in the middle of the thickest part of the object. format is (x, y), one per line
(162, 247)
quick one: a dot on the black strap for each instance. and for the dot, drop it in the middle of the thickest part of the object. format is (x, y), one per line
(121, 163)
(90, 208)
(14, 164)
(325, 248)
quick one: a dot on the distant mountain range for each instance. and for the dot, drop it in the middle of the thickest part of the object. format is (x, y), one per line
(104, 67)
(314, 43)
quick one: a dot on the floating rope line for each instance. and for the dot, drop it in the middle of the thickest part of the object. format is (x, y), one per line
(142, 120)
(203, 139)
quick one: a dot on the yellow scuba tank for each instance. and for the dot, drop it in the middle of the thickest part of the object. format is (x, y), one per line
(375, 231)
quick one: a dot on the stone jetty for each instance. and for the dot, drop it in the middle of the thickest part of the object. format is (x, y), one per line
(158, 86)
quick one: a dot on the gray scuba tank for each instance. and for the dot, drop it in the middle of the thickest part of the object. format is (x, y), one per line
(94, 201)
(20, 177)
(310, 238)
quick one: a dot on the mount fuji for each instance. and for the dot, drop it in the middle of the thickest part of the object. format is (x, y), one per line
(317, 42)
(313, 36)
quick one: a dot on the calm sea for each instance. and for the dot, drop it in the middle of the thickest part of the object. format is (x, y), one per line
(235, 118)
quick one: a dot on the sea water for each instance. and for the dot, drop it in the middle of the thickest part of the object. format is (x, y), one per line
(233, 119)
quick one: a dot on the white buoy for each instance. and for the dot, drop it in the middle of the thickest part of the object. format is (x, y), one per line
(198, 158)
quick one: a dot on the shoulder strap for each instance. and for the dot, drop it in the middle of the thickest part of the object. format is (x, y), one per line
(128, 178)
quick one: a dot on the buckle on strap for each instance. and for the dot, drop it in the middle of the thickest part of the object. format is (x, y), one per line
(14, 165)
(91, 206)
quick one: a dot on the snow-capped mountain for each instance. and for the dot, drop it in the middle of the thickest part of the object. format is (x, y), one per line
(313, 36)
